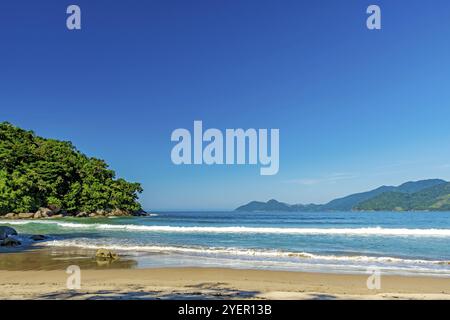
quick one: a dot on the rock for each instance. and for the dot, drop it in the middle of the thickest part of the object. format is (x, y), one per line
(38, 237)
(56, 216)
(45, 212)
(10, 242)
(68, 214)
(11, 215)
(37, 215)
(25, 215)
(55, 209)
(5, 232)
(119, 213)
(103, 213)
(82, 214)
(140, 213)
(105, 254)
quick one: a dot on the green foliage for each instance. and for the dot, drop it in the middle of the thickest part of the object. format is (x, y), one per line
(436, 198)
(37, 172)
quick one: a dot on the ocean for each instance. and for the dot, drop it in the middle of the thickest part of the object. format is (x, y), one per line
(407, 243)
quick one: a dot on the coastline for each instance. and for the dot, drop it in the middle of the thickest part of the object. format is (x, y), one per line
(46, 279)
(165, 240)
(214, 283)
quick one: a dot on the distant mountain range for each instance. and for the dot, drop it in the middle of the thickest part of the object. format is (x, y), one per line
(423, 195)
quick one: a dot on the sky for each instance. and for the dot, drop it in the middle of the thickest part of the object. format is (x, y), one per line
(356, 108)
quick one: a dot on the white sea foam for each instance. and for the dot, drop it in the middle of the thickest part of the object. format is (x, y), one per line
(369, 231)
(231, 251)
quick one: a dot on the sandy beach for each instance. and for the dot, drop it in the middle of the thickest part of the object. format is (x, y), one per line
(30, 275)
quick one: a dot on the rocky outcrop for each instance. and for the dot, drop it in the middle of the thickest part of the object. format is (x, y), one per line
(6, 237)
(107, 213)
(55, 213)
(42, 213)
(54, 209)
(5, 232)
(10, 242)
(25, 215)
(82, 215)
(110, 213)
(140, 213)
(56, 216)
(11, 215)
(106, 255)
(38, 237)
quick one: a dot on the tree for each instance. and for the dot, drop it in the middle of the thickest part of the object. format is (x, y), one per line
(37, 172)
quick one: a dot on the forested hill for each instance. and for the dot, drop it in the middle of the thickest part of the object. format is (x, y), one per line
(436, 198)
(37, 172)
(431, 195)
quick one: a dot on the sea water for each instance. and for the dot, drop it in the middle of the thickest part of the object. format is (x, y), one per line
(341, 242)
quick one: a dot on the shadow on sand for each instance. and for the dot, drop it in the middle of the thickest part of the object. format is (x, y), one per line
(204, 291)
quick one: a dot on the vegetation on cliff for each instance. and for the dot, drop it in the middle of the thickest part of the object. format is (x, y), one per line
(37, 172)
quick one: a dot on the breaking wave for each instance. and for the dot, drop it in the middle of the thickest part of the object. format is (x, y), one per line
(368, 231)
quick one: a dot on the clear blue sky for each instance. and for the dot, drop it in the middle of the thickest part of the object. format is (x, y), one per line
(356, 108)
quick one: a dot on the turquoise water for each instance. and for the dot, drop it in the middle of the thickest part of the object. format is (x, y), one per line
(344, 242)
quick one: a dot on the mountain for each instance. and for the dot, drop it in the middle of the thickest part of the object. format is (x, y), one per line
(435, 198)
(271, 205)
(377, 199)
(349, 202)
(274, 205)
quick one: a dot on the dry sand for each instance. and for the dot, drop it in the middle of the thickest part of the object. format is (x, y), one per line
(40, 274)
(200, 283)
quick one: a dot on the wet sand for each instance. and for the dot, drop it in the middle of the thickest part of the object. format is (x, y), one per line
(41, 274)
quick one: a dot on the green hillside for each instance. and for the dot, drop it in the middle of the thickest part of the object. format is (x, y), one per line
(352, 201)
(271, 205)
(37, 172)
(430, 194)
(436, 198)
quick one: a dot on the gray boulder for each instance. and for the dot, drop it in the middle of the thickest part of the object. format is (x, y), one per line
(10, 242)
(5, 232)
(38, 237)
(140, 213)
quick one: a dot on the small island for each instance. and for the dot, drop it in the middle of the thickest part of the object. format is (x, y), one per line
(48, 178)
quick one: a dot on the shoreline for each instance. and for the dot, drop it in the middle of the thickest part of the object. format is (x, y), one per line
(40, 256)
(215, 283)
(40, 273)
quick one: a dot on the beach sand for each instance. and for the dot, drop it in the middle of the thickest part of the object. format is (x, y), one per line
(40, 274)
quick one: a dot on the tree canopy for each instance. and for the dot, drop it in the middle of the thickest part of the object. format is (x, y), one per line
(37, 172)
(436, 198)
